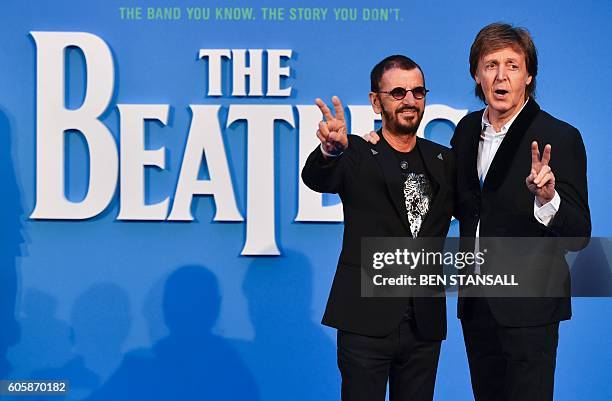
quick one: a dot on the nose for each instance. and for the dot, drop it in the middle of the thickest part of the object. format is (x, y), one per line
(409, 99)
(501, 73)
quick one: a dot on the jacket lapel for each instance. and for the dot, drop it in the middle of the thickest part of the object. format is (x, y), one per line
(469, 160)
(435, 169)
(509, 146)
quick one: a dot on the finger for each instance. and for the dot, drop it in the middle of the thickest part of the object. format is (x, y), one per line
(531, 177)
(552, 180)
(547, 178)
(335, 125)
(324, 129)
(543, 171)
(372, 137)
(338, 108)
(535, 154)
(546, 154)
(324, 109)
(321, 137)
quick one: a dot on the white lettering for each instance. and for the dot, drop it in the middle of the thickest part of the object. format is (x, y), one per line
(53, 119)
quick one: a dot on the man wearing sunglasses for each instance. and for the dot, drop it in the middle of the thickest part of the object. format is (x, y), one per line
(400, 187)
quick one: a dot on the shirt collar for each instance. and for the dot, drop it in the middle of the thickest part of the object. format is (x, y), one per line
(488, 127)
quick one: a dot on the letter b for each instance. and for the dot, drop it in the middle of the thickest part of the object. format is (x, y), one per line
(54, 119)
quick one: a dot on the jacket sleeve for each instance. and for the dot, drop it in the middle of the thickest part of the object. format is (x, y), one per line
(573, 218)
(329, 175)
(452, 178)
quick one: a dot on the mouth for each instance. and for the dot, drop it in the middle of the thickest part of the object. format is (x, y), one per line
(407, 111)
(500, 93)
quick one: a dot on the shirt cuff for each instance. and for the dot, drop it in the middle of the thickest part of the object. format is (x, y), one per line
(545, 213)
(329, 155)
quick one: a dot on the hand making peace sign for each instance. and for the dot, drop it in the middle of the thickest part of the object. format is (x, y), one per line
(541, 181)
(332, 132)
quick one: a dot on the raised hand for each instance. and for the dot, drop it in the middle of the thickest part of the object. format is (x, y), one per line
(541, 180)
(332, 132)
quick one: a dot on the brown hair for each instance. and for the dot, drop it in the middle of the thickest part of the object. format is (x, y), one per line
(500, 35)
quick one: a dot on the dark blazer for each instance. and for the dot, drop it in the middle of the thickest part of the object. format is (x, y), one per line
(504, 205)
(369, 182)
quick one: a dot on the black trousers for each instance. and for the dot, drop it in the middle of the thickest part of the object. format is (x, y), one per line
(407, 362)
(508, 363)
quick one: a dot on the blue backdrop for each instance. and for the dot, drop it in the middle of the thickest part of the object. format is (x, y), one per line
(171, 310)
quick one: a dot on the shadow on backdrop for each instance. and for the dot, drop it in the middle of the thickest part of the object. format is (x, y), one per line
(290, 356)
(591, 274)
(10, 239)
(100, 324)
(152, 310)
(190, 363)
(45, 339)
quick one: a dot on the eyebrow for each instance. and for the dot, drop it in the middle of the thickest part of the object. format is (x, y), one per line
(509, 59)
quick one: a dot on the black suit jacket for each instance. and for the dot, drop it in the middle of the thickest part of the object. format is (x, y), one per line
(504, 205)
(369, 182)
